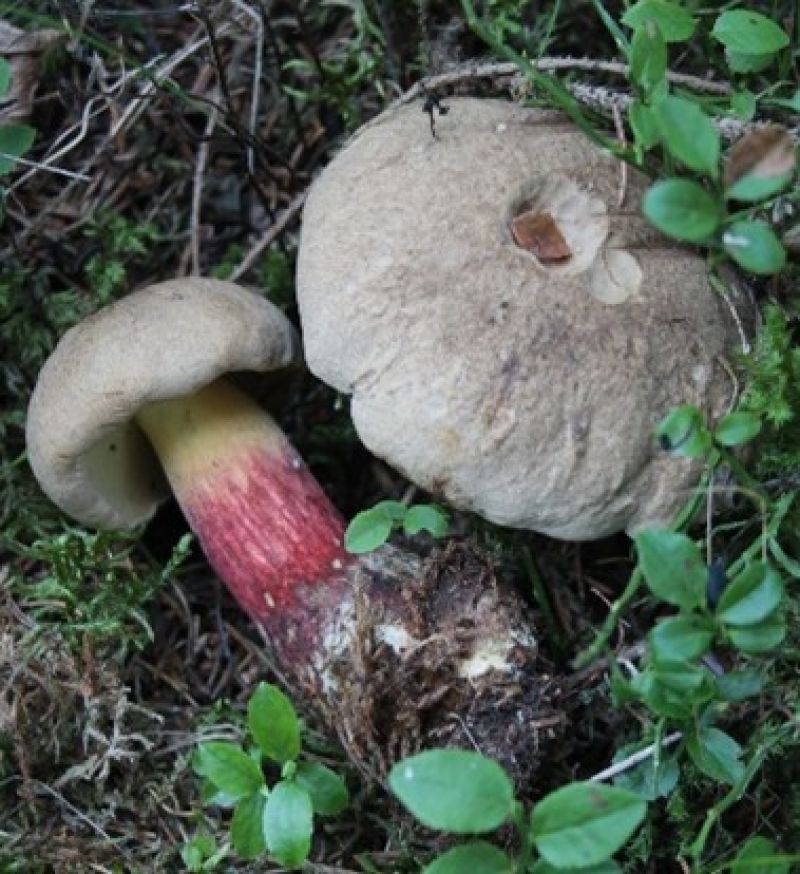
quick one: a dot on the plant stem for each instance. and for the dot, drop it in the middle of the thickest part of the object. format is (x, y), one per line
(736, 792)
(520, 821)
(681, 521)
(600, 642)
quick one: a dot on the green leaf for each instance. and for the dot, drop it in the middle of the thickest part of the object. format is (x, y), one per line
(288, 824)
(15, 140)
(229, 768)
(743, 104)
(662, 700)
(325, 788)
(759, 856)
(754, 246)
(607, 867)
(396, 510)
(716, 754)
(683, 432)
(5, 76)
(648, 57)
(273, 723)
(761, 637)
(195, 852)
(368, 530)
(247, 826)
(674, 22)
(692, 682)
(477, 858)
(753, 189)
(645, 779)
(760, 164)
(682, 209)
(741, 62)
(585, 823)
(673, 567)
(741, 30)
(454, 790)
(426, 517)
(643, 124)
(681, 638)
(739, 685)
(737, 428)
(689, 134)
(210, 795)
(751, 596)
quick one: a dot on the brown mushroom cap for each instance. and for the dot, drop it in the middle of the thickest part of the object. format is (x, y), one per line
(165, 341)
(521, 386)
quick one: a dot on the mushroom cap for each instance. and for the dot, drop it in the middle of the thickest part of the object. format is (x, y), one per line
(164, 341)
(522, 388)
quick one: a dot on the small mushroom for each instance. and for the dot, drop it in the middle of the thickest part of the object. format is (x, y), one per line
(161, 391)
(509, 334)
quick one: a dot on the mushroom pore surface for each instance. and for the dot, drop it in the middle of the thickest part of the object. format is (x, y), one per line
(509, 334)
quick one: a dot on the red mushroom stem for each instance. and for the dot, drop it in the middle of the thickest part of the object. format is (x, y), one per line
(391, 655)
(266, 526)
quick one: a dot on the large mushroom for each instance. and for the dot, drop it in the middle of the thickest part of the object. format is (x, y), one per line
(161, 391)
(509, 334)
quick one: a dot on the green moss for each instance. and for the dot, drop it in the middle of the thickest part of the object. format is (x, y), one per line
(772, 372)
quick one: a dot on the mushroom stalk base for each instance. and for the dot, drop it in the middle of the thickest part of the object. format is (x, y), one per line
(396, 652)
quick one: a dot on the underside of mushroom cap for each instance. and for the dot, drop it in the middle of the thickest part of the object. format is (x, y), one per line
(509, 334)
(164, 341)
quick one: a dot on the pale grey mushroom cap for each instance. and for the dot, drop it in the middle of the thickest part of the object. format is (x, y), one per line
(164, 341)
(527, 392)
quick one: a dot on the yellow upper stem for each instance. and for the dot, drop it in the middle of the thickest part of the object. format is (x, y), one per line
(198, 435)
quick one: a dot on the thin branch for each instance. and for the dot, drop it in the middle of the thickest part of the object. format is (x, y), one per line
(269, 236)
(197, 190)
(597, 97)
(547, 65)
(40, 165)
(636, 758)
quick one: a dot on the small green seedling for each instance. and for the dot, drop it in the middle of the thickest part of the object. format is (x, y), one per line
(579, 826)
(687, 209)
(683, 433)
(371, 528)
(15, 139)
(201, 853)
(737, 606)
(276, 819)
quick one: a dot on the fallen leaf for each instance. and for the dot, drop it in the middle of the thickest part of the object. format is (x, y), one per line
(537, 233)
(22, 48)
(766, 153)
